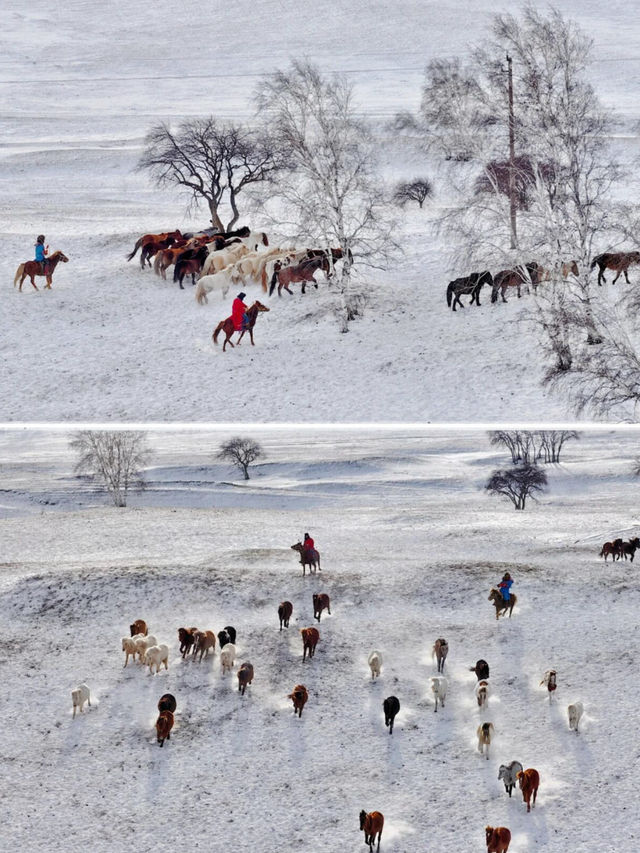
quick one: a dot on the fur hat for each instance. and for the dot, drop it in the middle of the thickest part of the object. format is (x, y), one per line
(242, 295)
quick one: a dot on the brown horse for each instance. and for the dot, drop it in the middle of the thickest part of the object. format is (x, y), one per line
(310, 639)
(500, 604)
(298, 696)
(307, 558)
(167, 702)
(166, 257)
(617, 261)
(164, 724)
(228, 328)
(320, 602)
(34, 268)
(529, 783)
(568, 268)
(498, 839)
(168, 238)
(302, 272)
(440, 652)
(138, 627)
(610, 549)
(371, 824)
(531, 273)
(245, 676)
(284, 613)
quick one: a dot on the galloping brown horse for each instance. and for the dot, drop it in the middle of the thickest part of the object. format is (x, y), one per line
(33, 268)
(617, 261)
(228, 328)
(500, 604)
(371, 824)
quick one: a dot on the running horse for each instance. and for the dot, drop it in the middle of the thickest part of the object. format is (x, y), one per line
(371, 824)
(34, 268)
(617, 261)
(228, 328)
(500, 604)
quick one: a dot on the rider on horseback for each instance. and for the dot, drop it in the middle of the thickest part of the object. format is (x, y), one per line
(308, 545)
(41, 253)
(505, 586)
(239, 312)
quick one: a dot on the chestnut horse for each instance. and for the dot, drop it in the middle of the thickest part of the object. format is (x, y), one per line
(34, 268)
(164, 724)
(138, 627)
(307, 558)
(529, 781)
(498, 839)
(298, 696)
(229, 329)
(617, 261)
(302, 272)
(500, 604)
(168, 238)
(310, 639)
(320, 602)
(371, 824)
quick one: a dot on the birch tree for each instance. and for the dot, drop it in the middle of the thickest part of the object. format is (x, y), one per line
(115, 458)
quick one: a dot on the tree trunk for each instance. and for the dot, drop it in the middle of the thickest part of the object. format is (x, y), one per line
(234, 208)
(245, 468)
(215, 219)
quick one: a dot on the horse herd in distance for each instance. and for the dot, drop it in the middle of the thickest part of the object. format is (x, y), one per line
(533, 274)
(217, 261)
(619, 549)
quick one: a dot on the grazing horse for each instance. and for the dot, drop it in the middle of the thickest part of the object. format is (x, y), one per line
(164, 724)
(440, 652)
(321, 602)
(529, 781)
(34, 268)
(371, 824)
(617, 261)
(472, 284)
(285, 610)
(391, 706)
(167, 702)
(168, 238)
(245, 676)
(298, 696)
(310, 639)
(138, 627)
(498, 839)
(302, 272)
(508, 773)
(309, 558)
(229, 329)
(484, 738)
(500, 604)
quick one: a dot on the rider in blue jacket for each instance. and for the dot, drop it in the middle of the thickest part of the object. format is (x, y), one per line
(505, 586)
(41, 251)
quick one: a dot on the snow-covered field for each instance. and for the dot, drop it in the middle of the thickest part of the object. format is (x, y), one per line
(410, 546)
(80, 87)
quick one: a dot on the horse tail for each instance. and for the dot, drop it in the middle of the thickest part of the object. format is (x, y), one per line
(177, 270)
(156, 263)
(265, 239)
(217, 331)
(449, 293)
(19, 272)
(135, 248)
(274, 281)
(595, 261)
(201, 294)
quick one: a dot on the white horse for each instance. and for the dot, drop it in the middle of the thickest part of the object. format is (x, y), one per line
(439, 686)
(575, 711)
(221, 281)
(217, 261)
(482, 691)
(375, 663)
(255, 241)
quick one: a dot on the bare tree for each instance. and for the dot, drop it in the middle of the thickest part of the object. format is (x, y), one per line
(518, 483)
(551, 441)
(213, 161)
(241, 452)
(519, 443)
(417, 190)
(115, 458)
(333, 195)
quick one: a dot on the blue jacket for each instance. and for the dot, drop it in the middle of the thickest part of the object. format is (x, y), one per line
(505, 588)
(40, 252)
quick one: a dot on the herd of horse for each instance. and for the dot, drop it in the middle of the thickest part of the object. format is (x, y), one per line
(618, 549)
(532, 274)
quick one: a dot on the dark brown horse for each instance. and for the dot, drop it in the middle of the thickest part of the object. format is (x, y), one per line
(310, 639)
(228, 328)
(531, 273)
(284, 613)
(307, 558)
(371, 824)
(245, 676)
(34, 268)
(498, 839)
(167, 702)
(320, 602)
(190, 262)
(298, 696)
(617, 261)
(302, 272)
(500, 604)
(161, 241)
(164, 724)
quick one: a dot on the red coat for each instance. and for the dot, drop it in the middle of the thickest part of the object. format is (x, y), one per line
(309, 544)
(238, 310)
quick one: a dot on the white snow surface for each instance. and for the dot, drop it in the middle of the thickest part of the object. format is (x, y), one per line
(81, 84)
(410, 547)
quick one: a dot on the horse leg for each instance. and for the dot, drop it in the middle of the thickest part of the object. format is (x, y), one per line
(601, 277)
(48, 284)
(251, 337)
(503, 290)
(626, 277)
(618, 276)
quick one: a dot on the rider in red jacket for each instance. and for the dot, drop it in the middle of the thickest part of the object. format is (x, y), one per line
(308, 544)
(238, 312)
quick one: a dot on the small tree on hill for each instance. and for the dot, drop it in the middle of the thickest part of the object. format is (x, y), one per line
(417, 190)
(115, 458)
(517, 484)
(241, 452)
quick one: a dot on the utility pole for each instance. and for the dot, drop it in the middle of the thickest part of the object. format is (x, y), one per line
(512, 158)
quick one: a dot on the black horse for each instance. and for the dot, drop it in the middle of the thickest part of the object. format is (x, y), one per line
(471, 284)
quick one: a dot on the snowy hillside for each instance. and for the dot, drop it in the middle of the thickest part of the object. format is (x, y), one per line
(80, 88)
(410, 547)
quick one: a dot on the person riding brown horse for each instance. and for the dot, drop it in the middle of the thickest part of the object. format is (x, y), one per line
(34, 268)
(228, 327)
